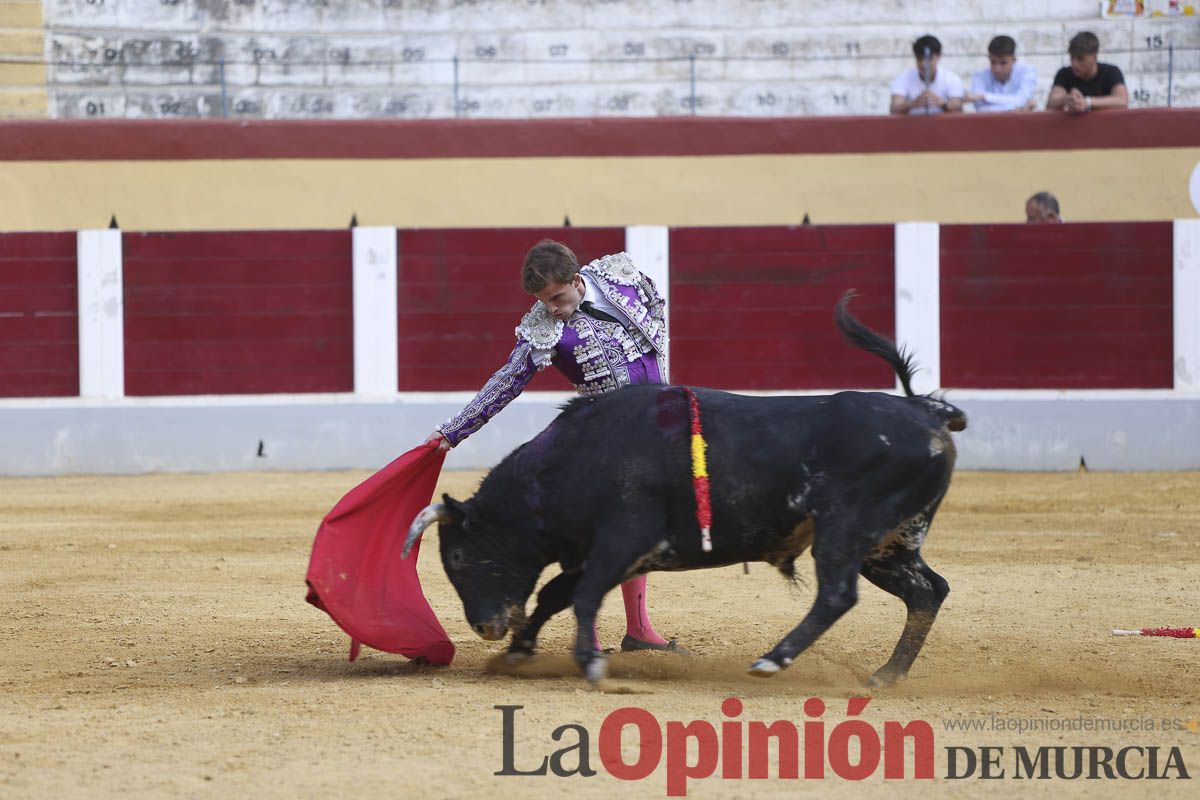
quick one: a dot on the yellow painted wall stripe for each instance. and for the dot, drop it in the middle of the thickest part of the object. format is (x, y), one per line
(21, 14)
(22, 42)
(1092, 185)
(15, 74)
(23, 92)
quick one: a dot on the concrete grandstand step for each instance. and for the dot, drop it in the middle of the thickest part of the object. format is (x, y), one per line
(20, 13)
(574, 57)
(14, 74)
(428, 15)
(22, 73)
(22, 103)
(21, 42)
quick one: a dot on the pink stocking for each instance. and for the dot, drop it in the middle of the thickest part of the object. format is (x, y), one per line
(637, 621)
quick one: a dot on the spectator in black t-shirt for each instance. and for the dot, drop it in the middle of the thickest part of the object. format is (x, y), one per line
(1087, 84)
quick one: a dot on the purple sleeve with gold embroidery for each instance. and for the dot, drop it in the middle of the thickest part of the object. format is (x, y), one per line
(500, 390)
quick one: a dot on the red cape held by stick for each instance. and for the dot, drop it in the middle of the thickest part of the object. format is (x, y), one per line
(356, 574)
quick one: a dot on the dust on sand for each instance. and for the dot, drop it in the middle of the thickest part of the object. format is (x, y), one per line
(156, 642)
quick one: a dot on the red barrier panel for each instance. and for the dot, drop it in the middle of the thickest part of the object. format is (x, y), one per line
(460, 299)
(1022, 306)
(39, 315)
(1075, 306)
(238, 312)
(225, 139)
(752, 308)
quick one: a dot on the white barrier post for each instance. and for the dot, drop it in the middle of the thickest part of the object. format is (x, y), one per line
(918, 305)
(101, 293)
(1186, 287)
(376, 371)
(649, 247)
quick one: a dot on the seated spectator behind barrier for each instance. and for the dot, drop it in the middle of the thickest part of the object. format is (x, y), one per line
(1005, 85)
(925, 89)
(1042, 207)
(1087, 84)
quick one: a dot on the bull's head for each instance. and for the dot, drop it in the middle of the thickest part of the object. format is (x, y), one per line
(487, 568)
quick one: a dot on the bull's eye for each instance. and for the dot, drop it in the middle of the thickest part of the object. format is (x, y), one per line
(456, 558)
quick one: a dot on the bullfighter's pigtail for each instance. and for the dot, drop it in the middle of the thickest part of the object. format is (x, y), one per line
(700, 473)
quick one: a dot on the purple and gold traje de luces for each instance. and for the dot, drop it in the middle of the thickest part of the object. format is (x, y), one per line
(595, 355)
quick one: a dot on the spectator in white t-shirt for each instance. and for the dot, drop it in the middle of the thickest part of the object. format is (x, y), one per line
(925, 89)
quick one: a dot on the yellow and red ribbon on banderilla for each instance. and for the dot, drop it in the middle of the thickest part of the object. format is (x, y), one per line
(700, 473)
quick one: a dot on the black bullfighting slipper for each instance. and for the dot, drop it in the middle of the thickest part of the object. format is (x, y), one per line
(630, 644)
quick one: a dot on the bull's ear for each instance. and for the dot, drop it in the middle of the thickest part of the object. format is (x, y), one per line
(457, 512)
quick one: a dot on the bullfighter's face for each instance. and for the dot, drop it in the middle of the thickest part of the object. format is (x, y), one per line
(562, 298)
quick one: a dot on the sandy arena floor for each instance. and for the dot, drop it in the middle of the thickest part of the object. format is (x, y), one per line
(156, 643)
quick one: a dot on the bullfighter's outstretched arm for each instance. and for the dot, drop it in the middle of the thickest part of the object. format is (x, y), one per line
(500, 390)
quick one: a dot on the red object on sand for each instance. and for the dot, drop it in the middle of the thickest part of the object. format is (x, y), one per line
(1173, 633)
(356, 574)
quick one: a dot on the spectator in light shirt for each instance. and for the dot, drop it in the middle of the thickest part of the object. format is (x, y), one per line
(1005, 85)
(923, 88)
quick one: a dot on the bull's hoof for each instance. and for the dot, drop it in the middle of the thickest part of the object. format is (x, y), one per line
(518, 656)
(597, 670)
(764, 668)
(884, 678)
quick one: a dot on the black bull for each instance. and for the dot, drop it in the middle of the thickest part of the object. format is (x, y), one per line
(606, 491)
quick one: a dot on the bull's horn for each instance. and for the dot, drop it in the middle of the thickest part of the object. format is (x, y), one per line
(431, 514)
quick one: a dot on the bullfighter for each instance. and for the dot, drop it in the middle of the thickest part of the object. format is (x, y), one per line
(603, 326)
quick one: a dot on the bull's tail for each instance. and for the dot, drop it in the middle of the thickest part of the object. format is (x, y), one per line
(864, 338)
(903, 363)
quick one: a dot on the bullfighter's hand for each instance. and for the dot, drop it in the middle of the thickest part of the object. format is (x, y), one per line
(436, 436)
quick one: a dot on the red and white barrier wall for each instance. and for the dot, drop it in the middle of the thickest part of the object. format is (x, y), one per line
(128, 352)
